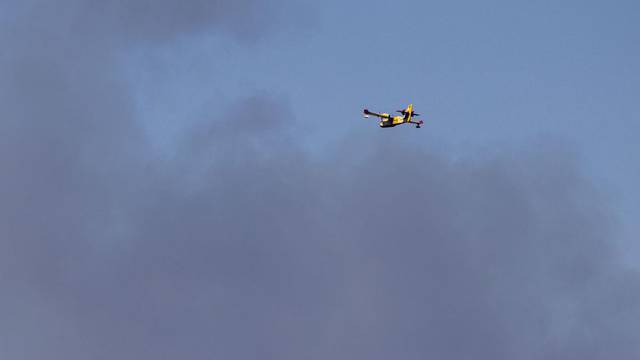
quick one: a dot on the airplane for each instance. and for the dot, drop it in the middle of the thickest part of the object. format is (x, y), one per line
(387, 120)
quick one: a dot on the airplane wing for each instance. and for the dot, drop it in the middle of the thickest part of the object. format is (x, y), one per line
(382, 116)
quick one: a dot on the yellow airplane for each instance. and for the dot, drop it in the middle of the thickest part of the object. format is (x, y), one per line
(387, 120)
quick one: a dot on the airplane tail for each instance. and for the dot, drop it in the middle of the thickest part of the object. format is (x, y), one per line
(411, 115)
(408, 112)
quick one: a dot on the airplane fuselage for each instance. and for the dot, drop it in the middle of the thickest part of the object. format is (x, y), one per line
(391, 121)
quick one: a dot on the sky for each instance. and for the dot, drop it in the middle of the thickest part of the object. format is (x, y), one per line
(194, 179)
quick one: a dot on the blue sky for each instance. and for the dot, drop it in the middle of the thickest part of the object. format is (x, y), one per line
(482, 74)
(194, 179)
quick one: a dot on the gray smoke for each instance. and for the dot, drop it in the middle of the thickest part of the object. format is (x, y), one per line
(243, 247)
